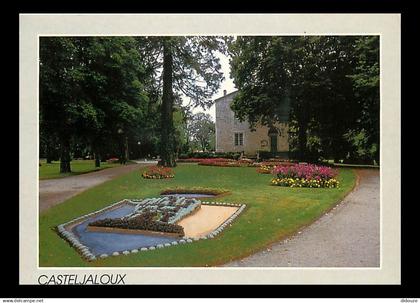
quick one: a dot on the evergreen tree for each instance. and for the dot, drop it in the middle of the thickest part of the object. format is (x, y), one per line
(189, 67)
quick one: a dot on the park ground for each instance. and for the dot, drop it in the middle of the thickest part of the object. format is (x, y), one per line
(57, 190)
(347, 236)
(272, 214)
(52, 170)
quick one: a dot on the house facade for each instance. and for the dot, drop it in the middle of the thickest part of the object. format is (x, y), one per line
(235, 136)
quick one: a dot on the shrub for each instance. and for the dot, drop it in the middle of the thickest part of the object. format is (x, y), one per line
(183, 156)
(305, 175)
(158, 172)
(211, 155)
(264, 155)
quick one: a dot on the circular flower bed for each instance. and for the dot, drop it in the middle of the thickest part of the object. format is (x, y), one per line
(158, 172)
(305, 175)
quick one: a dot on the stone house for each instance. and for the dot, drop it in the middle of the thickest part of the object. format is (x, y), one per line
(235, 136)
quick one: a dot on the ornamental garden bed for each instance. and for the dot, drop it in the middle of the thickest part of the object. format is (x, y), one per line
(158, 172)
(230, 163)
(195, 192)
(198, 160)
(131, 226)
(267, 167)
(305, 175)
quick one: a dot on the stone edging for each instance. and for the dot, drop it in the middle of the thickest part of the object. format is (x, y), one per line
(89, 256)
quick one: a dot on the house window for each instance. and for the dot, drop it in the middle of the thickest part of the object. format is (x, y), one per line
(239, 139)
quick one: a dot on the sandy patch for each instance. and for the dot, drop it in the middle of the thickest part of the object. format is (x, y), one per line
(206, 219)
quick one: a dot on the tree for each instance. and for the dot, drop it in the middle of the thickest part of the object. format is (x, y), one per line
(202, 131)
(366, 85)
(61, 103)
(91, 88)
(316, 75)
(190, 67)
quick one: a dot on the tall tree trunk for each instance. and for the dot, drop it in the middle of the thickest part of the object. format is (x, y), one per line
(97, 159)
(167, 144)
(49, 152)
(126, 154)
(65, 155)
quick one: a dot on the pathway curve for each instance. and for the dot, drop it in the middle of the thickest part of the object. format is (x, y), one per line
(56, 191)
(347, 236)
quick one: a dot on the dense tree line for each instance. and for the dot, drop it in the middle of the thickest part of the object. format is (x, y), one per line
(121, 96)
(329, 86)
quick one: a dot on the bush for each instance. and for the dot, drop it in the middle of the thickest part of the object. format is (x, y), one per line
(158, 172)
(305, 175)
(183, 156)
(264, 155)
(210, 155)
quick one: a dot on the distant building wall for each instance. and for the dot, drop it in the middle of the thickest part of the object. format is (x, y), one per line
(227, 126)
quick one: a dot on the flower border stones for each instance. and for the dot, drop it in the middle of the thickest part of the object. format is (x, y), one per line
(72, 239)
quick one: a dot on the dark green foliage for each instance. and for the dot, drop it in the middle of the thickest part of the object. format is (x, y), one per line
(202, 155)
(190, 68)
(264, 155)
(329, 84)
(201, 129)
(92, 93)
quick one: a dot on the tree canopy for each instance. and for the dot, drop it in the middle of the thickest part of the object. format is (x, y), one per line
(91, 90)
(100, 95)
(329, 85)
(189, 67)
(201, 129)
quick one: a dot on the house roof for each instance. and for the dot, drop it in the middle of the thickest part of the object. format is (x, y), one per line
(218, 99)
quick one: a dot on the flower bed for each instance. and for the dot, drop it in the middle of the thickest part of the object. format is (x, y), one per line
(158, 172)
(195, 190)
(158, 215)
(305, 175)
(198, 160)
(265, 169)
(67, 230)
(268, 166)
(169, 209)
(229, 163)
(145, 221)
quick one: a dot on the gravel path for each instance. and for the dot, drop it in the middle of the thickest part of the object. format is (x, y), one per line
(347, 236)
(55, 191)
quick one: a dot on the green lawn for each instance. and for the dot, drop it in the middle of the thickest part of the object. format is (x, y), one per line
(272, 213)
(52, 171)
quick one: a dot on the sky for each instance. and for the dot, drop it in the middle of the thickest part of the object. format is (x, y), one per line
(227, 85)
